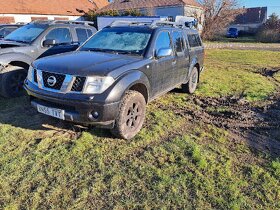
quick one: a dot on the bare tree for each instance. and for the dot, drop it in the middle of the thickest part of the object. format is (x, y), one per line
(218, 14)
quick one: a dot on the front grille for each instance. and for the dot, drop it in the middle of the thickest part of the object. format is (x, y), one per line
(78, 84)
(58, 77)
(35, 76)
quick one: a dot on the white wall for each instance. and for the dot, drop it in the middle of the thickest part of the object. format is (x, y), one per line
(27, 18)
(169, 11)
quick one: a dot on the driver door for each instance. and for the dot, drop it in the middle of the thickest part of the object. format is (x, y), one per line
(162, 71)
(63, 40)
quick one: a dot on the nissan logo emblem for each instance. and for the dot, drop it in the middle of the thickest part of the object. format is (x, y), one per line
(51, 81)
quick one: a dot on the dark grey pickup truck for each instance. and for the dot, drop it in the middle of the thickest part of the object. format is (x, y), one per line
(109, 80)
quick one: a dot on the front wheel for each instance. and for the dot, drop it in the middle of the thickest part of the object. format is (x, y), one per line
(131, 116)
(191, 86)
(12, 83)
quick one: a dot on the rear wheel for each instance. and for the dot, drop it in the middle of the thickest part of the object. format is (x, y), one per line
(191, 86)
(12, 82)
(131, 116)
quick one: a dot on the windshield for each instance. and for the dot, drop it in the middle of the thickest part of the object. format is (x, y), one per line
(119, 40)
(26, 33)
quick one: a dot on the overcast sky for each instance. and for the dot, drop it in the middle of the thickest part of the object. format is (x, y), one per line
(273, 5)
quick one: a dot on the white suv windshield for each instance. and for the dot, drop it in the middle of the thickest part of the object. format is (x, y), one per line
(119, 40)
(26, 33)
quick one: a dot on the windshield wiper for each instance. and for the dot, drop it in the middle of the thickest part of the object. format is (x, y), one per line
(101, 50)
(26, 42)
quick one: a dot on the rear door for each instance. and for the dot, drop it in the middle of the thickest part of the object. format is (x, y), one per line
(182, 57)
(196, 49)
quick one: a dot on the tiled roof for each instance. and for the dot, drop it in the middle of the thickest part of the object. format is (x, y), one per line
(139, 4)
(50, 7)
(252, 15)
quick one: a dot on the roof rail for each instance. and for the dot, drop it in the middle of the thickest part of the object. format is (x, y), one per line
(87, 23)
(152, 24)
(167, 23)
(128, 23)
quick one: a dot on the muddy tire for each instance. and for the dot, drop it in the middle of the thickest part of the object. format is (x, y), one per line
(131, 115)
(12, 83)
(191, 86)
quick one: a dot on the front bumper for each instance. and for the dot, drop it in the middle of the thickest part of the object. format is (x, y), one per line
(78, 108)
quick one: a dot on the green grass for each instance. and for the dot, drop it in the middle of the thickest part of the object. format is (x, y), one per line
(277, 76)
(233, 73)
(245, 39)
(172, 163)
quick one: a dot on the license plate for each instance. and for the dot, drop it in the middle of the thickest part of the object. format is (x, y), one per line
(57, 113)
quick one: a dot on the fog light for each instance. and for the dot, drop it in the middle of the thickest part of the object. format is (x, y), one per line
(95, 115)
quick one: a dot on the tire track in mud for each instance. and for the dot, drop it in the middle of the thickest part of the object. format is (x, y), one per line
(259, 127)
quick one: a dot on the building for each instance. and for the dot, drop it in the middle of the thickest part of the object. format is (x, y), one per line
(250, 20)
(170, 8)
(13, 11)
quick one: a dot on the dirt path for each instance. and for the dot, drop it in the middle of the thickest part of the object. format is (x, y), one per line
(243, 46)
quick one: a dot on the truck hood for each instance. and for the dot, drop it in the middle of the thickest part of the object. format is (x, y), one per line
(11, 47)
(10, 44)
(84, 63)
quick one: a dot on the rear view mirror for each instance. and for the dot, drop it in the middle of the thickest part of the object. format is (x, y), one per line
(49, 43)
(163, 52)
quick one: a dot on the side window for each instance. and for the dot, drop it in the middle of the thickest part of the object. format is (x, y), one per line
(89, 32)
(60, 35)
(163, 41)
(82, 34)
(5, 31)
(198, 40)
(2, 32)
(178, 41)
(194, 40)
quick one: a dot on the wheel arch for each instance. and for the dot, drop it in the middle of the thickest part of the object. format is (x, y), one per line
(198, 68)
(22, 64)
(132, 80)
(141, 88)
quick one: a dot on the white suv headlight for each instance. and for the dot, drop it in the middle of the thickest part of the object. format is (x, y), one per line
(30, 74)
(96, 85)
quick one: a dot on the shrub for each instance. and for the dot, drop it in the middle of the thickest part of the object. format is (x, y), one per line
(269, 36)
(270, 31)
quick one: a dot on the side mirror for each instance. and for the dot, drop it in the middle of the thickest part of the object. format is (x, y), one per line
(163, 52)
(1, 36)
(49, 43)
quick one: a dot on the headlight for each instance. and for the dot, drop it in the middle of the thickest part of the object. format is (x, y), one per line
(95, 85)
(30, 74)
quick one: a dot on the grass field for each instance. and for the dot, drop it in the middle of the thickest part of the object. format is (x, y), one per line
(178, 160)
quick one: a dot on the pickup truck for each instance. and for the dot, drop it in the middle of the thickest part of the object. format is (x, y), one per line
(110, 79)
